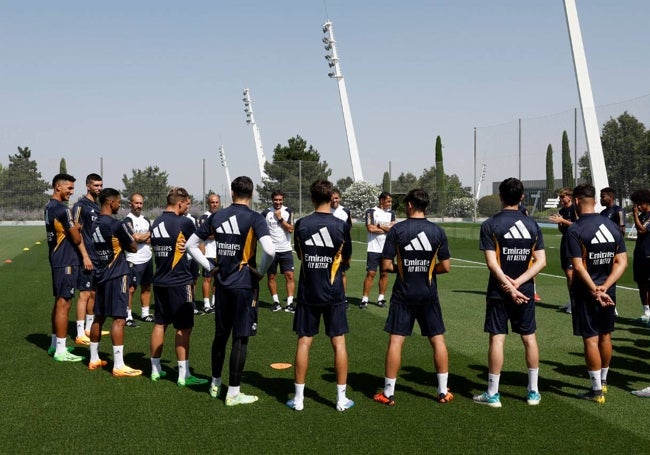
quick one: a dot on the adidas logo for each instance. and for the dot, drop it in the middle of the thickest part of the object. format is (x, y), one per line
(97, 236)
(419, 243)
(229, 226)
(160, 232)
(603, 235)
(518, 231)
(321, 238)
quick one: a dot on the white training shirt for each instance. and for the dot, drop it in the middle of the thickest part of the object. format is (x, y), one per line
(373, 216)
(141, 225)
(280, 236)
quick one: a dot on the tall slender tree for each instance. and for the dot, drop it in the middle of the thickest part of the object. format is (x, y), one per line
(567, 166)
(63, 168)
(385, 183)
(550, 175)
(440, 178)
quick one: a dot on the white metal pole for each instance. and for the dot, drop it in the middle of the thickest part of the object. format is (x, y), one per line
(257, 138)
(333, 59)
(224, 164)
(589, 119)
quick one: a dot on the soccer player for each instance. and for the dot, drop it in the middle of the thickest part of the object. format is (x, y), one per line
(236, 230)
(565, 218)
(379, 220)
(111, 239)
(596, 249)
(323, 245)
(84, 212)
(210, 251)
(612, 211)
(140, 262)
(422, 254)
(280, 221)
(514, 253)
(641, 257)
(63, 239)
(341, 213)
(173, 285)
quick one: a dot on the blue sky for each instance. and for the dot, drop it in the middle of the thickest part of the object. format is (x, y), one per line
(160, 83)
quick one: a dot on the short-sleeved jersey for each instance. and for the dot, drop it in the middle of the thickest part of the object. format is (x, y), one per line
(514, 237)
(568, 213)
(323, 244)
(419, 245)
(85, 212)
(210, 245)
(168, 233)
(139, 225)
(235, 230)
(342, 213)
(374, 216)
(615, 213)
(111, 238)
(281, 237)
(642, 245)
(58, 219)
(596, 241)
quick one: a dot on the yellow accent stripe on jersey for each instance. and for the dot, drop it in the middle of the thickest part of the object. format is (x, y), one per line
(497, 248)
(178, 255)
(336, 263)
(59, 232)
(117, 250)
(249, 248)
(432, 266)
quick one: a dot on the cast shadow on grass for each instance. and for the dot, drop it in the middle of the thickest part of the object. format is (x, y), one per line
(278, 388)
(40, 340)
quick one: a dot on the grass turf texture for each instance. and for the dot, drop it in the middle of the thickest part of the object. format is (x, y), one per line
(58, 408)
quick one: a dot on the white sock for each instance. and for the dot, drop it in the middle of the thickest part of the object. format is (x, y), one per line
(156, 368)
(233, 391)
(53, 341)
(60, 346)
(603, 374)
(216, 382)
(276, 299)
(118, 357)
(183, 369)
(206, 302)
(300, 393)
(646, 310)
(145, 311)
(90, 318)
(389, 386)
(381, 297)
(364, 299)
(129, 314)
(493, 384)
(533, 376)
(594, 377)
(340, 393)
(94, 352)
(80, 328)
(212, 301)
(290, 300)
(442, 383)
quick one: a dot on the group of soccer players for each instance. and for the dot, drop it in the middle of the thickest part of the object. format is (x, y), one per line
(415, 249)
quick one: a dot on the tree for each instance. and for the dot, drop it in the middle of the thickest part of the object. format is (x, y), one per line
(567, 166)
(584, 168)
(63, 168)
(550, 174)
(294, 168)
(151, 183)
(385, 183)
(360, 196)
(440, 179)
(21, 184)
(625, 148)
(404, 183)
(489, 205)
(344, 183)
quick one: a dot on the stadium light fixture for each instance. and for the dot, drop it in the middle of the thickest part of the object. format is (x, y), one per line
(250, 120)
(334, 62)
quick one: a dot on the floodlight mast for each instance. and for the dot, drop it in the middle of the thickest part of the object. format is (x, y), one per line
(224, 164)
(250, 120)
(590, 121)
(334, 63)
